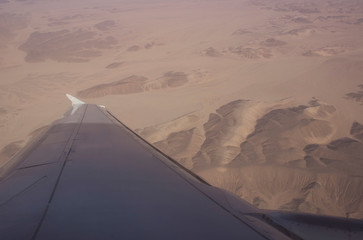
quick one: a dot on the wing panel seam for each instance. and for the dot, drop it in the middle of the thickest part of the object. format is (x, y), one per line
(67, 149)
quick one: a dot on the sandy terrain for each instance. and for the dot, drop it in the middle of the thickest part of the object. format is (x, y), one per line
(263, 98)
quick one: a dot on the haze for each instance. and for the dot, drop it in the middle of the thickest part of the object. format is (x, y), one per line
(262, 98)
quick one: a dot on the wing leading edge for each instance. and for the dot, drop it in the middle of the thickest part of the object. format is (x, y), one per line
(90, 177)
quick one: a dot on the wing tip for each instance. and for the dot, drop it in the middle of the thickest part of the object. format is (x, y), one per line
(74, 100)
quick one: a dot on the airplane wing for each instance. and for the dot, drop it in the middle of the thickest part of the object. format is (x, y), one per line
(90, 177)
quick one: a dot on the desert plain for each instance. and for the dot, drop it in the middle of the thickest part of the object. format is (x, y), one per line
(261, 98)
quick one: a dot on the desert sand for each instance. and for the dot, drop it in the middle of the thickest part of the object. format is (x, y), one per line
(262, 98)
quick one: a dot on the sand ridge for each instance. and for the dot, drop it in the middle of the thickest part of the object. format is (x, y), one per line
(293, 146)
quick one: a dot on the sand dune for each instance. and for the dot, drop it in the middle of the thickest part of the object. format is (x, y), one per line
(132, 84)
(65, 46)
(241, 31)
(292, 189)
(133, 48)
(10, 23)
(135, 84)
(357, 130)
(300, 32)
(325, 51)
(250, 53)
(211, 52)
(272, 42)
(114, 65)
(240, 51)
(105, 25)
(356, 96)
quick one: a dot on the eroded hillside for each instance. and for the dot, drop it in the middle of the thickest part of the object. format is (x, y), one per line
(274, 156)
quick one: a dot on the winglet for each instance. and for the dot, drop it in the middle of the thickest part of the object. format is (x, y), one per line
(74, 100)
(76, 103)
